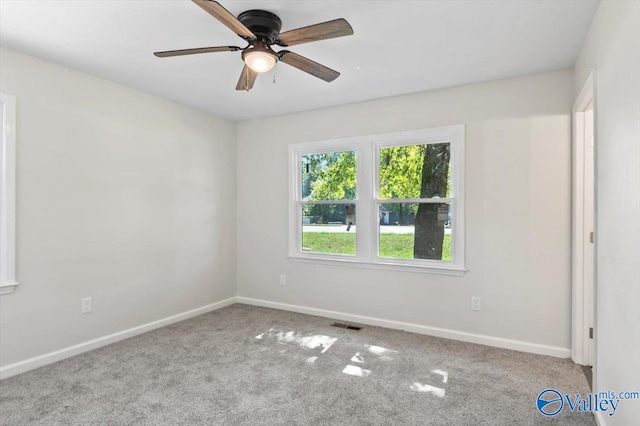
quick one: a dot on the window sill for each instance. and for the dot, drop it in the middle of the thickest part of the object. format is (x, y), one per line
(8, 288)
(388, 266)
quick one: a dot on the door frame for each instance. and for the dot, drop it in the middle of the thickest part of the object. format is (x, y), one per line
(584, 310)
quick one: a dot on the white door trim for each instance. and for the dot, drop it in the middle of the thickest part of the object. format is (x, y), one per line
(583, 298)
(8, 194)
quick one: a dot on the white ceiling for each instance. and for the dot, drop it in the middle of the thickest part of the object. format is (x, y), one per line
(398, 47)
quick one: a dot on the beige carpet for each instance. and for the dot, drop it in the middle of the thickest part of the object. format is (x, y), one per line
(256, 366)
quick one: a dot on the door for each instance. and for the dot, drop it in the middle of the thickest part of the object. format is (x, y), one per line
(589, 231)
(584, 236)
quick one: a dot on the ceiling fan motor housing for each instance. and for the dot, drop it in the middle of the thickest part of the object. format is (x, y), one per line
(265, 25)
(260, 29)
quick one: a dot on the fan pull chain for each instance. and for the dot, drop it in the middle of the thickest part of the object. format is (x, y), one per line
(274, 75)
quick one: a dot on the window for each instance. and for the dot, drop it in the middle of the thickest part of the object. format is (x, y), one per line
(7, 193)
(328, 193)
(388, 201)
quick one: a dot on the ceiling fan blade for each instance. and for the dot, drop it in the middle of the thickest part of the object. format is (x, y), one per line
(308, 66)
(216, 10)
(181, 52)
(247, 78)
(326, 30)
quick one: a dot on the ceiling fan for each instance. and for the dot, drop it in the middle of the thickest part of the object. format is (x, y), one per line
(261, 30)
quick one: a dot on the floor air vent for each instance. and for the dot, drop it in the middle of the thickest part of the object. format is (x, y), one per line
(347, 326)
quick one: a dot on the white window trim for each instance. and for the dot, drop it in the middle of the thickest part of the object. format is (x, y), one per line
(8, 281)
(366, 200)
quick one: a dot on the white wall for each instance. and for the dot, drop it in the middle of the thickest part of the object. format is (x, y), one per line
(121, 196)
(612, 47)
(518, 212)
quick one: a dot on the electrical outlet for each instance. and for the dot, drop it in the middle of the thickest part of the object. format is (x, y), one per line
(475, 303)
(85, 305)
(283, 280)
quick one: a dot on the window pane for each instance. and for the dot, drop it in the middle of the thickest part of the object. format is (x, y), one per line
(415, 171)
(329, 176)
(329, 228)
(415, 231)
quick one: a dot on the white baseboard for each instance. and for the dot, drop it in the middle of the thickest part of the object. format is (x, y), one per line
(51, 357)
(497, 342)
(600, 419)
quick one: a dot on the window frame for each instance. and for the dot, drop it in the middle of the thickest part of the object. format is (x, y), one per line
(295, 242)
(8, 281)
(367, 199)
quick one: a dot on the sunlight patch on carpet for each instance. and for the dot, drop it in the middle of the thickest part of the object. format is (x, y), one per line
(444, 374)
(383, 354)
(353, 370)
(309, 342)
(419, 387)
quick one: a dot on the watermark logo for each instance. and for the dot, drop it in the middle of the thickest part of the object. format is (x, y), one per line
(551, 402)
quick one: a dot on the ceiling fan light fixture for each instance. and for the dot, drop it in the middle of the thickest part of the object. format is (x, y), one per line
(260, 29)
(259, 58)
